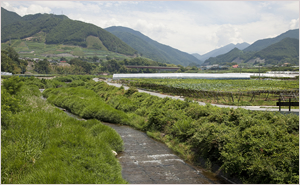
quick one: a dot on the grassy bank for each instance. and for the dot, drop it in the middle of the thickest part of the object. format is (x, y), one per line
(254, 146)
(40, 144)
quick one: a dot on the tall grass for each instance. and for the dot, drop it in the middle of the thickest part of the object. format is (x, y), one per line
(40, 144)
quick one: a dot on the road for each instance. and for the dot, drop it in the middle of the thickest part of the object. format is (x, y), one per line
(254, 108)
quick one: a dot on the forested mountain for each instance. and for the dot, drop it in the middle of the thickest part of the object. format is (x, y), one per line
(285, 51)
(225, 58)
(152, 49)
(221, 51)
(8, 17)
(59, 29)
(263, 43)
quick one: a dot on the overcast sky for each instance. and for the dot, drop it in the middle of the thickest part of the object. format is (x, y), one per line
(190, 26)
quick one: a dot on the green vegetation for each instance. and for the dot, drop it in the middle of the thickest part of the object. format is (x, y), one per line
(95, 43)
(285, 51)
(254, 146)
(40, 144)
(221, 85)
(59, 29)
(264, 43)
(275, 51)
(228, 92)
(10, 62)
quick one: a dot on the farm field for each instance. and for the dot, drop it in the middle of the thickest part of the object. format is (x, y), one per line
(41, 50)
(230, 92)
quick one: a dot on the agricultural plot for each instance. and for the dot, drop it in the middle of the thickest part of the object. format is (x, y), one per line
(42, 50)
(231, 92)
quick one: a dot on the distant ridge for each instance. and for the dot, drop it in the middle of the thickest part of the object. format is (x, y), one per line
(221, 51)
(263, 43)
(152, 49)
(284, 51)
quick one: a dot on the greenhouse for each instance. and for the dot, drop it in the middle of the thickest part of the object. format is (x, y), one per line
(225, 76)
(185, 75)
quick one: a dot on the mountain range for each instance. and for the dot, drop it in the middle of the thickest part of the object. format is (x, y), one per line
(59, 29)
(263, 43)
(284, 51)
(152, 49)
(221, 51)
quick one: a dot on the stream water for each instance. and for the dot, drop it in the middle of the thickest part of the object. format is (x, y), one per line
(147, 161)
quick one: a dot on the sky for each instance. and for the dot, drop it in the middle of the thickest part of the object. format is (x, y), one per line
(190, 26)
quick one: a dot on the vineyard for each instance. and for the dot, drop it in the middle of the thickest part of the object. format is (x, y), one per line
(230, 92)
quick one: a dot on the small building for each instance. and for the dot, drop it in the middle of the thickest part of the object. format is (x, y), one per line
(63, 61)
(285, 64)
(235, 66)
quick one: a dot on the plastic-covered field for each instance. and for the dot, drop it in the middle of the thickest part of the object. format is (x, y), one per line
(199, 75)
(185, 75)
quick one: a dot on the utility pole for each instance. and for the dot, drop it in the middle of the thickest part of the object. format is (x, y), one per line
(259, 72)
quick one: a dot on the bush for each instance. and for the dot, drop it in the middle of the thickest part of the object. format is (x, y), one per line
(13, 85)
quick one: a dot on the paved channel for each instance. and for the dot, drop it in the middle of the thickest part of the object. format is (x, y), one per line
(147, 161)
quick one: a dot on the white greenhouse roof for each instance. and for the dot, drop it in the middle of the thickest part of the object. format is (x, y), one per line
(199, 75)
(185, 75)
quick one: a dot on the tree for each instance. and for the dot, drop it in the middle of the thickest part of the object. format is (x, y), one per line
(43, 67)
(194, 68)
(182, 69)
(10, 61)
(12, 54)
(95, 58)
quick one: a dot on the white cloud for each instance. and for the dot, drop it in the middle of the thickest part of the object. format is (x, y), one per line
(228, 34)
(31, 9)
(190, 26)
(294, 24)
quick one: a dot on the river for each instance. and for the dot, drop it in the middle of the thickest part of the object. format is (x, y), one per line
(147, 161)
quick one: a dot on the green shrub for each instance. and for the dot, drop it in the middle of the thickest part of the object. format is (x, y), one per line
(130, 91)
(182, 127)
(13, 85)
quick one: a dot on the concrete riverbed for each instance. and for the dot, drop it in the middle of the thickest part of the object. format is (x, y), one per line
(147, 161)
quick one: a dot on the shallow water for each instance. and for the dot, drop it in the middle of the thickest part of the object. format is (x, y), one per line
(147, 161)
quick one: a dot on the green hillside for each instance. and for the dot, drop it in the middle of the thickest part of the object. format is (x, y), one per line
(287, 50)
(261, 44)
(60, 29)
(152, 49)
(8, 17)
(229, 57)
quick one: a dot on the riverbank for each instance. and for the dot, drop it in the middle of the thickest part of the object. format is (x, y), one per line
(40, 144)
(234, 139)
